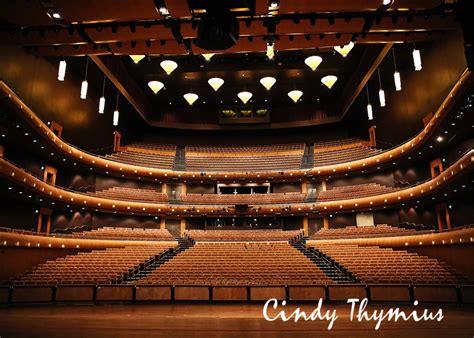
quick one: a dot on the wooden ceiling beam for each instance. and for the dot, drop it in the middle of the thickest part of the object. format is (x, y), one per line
(361, 75)
(117, 73)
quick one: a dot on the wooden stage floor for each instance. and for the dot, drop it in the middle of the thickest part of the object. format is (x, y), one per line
(215, 320)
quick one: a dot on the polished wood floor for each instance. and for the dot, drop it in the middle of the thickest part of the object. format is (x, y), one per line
(213, 320)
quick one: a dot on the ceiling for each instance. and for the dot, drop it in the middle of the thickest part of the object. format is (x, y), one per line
(109, 30)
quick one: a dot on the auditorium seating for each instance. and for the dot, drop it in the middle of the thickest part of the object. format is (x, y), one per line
(340, 151)
(132, 194)
(372, 264)
(354, 191)
(242, 235)
(135, 234)
(219, 199)
(98, 266)
(148, 155)
(244, 158)
(379, 230)
(234, 264)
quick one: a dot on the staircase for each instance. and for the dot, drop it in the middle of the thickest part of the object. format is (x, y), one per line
(184, 244)
(331, 269)
(308, 156)
(180, 159)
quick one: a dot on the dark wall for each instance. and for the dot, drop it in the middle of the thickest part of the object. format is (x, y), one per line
(385, 178)
(200, 188)
(422, 92)
(389, 217)
(285, 187)
(17, 214)
(62, 219)
(35, 81)
(105, 182)
(126, 221)
(413, 174)
(341, 220)
(422, 215)
(292, 223)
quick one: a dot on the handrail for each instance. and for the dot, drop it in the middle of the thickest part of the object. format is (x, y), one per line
(106, 164)
(14, 173)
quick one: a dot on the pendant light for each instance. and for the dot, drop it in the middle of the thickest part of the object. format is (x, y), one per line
(313, 62)
(208, 56)
(168, 66)
(215, 83)
(116, 112)
(190, 98)
(270, 51)
(84, 84)
(295, 95)
(62, 70)
(329, 80)
(344, 50)
(136, 58)
(370, 113)
(245, 96)
(155, 86)
(381, 91)
(268, 82)
(416, 58)
(102, 99)
(396, 75)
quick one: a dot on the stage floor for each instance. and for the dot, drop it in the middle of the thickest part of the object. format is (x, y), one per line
(217, 320)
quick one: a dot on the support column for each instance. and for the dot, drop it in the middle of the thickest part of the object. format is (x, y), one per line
(2, 150)
(56, 128)
(325, 222)
(372, 136)
(323, 185)
(117, 140)
(182, 226)
(443, 216)
(304, 188)
(305, 225)
(183, 189)
(162, 223)
(44, 212)
(49, 175)
(436, 167)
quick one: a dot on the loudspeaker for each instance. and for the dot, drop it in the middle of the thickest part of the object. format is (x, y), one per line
(218, 29)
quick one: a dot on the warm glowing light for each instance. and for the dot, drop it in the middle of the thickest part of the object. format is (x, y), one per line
(116, 117)
(295, 95)
(62, 70)
(268, 82)
(417, 59)
(168, 66)
(101, 105)
(155, 86)
(215, 83)
(136, 58)
(208, 56)
(382, 97)
(329, 80)
(370, 114)
(398, 81)
(313, 62)
(344, 50)
(190, 98)
(84, 87)
(270, 51)
(245, 96)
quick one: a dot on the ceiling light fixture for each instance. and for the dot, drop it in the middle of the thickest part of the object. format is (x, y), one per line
(295, 95)
(136, 58)
(215, 83)
(370, 114)
(396, 75)
(416, 58)
(163, 11)
(208, 56)
(344, 50)
(329, 81)
(313, 62)
(245, 96)
(268, 82)
(386, 2)
(116, 112)
(381, 91)
(102, 98)
(85, 84)
(190, 98)
(155, 86)
(168, 66)
(62, 70)
(270, 51)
